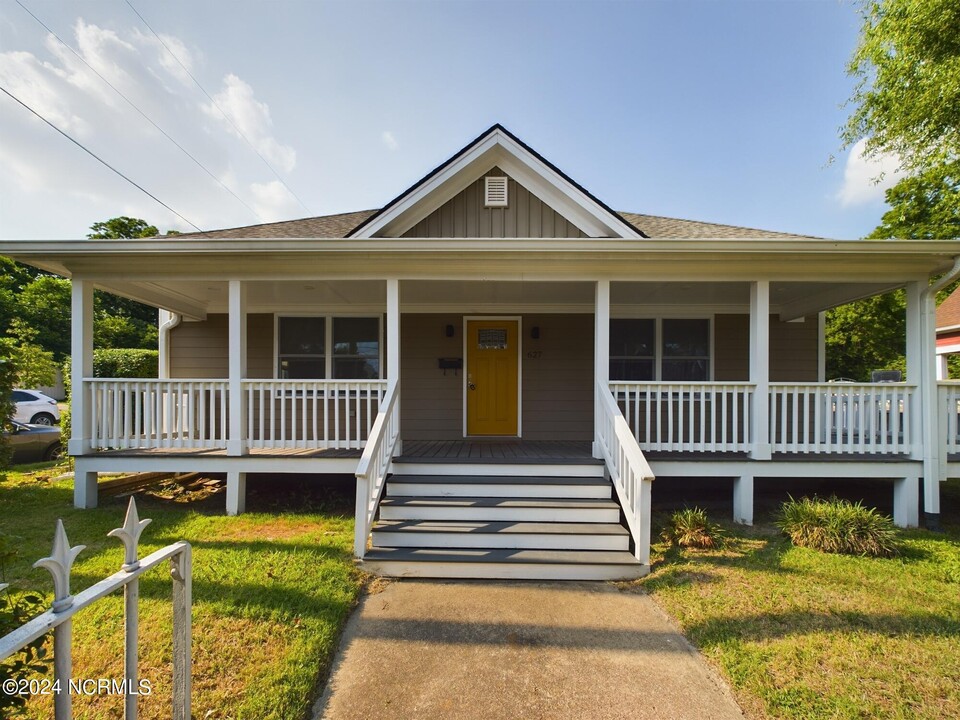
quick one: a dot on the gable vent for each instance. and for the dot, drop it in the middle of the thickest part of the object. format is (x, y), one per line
(495, 191)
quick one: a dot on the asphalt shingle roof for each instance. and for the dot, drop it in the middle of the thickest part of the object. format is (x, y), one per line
(339, 226)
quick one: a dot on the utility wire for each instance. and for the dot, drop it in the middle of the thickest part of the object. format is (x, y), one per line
(98, 158)
(145, 116)
(217, 105)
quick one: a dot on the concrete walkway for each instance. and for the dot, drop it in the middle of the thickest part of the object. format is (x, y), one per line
(471, 649)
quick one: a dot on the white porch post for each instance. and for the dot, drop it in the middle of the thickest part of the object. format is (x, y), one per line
(943, 371)
(933, 442)
(760, 369)
(236, 444)
(906, 505)
(393, 341)
(601, 350)
(915, 374)
(743, 499)
(81, 398)
(236, 492)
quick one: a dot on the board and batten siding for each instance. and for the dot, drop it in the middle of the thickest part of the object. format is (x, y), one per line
(464, 216)
(793, 349)
(200, 350)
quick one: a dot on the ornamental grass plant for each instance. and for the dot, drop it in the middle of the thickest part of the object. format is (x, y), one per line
(838, 526)
(690, 528)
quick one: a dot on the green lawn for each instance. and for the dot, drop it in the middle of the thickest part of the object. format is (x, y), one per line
(271, 592)
(801, 634)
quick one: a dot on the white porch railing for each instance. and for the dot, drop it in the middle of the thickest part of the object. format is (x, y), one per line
(687, 417)
(374, 466)
(629, 470)
(856, 418)
(158, 413)
(313, 414)
(59, 619)
(949, 399)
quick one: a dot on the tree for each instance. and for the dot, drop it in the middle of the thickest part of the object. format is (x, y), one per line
(925, 206)
(870, 334)
(122, 227)
(907, 99)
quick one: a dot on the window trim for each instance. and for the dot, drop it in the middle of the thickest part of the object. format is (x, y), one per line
(328, 321)
(658, 356)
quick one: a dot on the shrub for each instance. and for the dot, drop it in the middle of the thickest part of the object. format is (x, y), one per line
(691, 528)
(838, 526)
(125, 363)
(15, 611)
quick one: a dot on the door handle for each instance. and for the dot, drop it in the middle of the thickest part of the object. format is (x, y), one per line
(472, 386)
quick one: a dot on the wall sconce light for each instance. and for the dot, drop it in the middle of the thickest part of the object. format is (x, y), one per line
(535, 332)
(448, 331)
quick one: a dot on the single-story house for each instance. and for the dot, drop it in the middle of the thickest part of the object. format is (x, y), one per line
(506, 364)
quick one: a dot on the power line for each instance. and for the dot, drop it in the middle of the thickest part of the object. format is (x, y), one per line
(217, 105)
(145, 116)
(98, 158)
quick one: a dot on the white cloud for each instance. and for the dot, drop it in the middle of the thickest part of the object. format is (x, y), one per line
(272, 201)
(251, 118)
(44, 175)
(389, 140)
(865, 179)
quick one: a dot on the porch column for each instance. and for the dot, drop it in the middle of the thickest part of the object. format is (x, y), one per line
(601, 350)
(930, 442)
(393, 341)
(914, 323)
(743, 499)
(906, 505)
(943, 371)
(81, 399)
(236, 443)
(236, 492)
(760, 369)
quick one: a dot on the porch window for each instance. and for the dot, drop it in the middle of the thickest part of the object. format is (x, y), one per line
(356, 348)
(669, 349)
(316, 348)
(686, 350)
(632, 349)
(301, 346)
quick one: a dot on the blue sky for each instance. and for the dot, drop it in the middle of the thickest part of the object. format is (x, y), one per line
(719, 111)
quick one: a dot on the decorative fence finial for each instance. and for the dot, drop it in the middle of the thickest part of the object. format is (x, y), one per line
(59, 564)
(129, 535)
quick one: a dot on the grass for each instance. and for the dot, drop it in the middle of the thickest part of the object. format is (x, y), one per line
(271, 592)
(802, 634)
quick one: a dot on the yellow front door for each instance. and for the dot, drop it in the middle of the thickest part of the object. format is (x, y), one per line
(492, 377)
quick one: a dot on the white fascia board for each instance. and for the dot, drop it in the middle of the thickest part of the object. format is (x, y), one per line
(947, 328)
(948, 349)
(498, 149)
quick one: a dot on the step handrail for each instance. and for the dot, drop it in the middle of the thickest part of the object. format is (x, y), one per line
(374, 465)
(628, 468)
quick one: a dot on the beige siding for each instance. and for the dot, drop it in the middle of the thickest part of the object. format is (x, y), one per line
(465, 216)
(793, 349)
(431, 402)
(557, 380)
(558, 384)
(200, 349)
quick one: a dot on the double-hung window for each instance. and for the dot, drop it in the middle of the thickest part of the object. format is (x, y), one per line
(668, 349)
(321, 347)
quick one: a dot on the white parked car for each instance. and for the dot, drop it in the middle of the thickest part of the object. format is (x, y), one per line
(35, 408)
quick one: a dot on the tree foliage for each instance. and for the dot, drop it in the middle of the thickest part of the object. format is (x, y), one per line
(122, 227)
(924, 206)
(907, 99)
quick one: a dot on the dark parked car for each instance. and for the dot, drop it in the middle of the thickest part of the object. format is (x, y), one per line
(33, 443)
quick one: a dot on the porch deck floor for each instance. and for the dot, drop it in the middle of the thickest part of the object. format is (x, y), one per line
(333, 453)
(507, 450)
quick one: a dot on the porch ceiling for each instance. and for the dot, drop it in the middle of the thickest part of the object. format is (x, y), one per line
(195, 299)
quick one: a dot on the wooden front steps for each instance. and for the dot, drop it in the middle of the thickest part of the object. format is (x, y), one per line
(532, 526)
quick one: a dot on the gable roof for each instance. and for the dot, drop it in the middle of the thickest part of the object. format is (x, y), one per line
(497, 146)
(342, 225)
